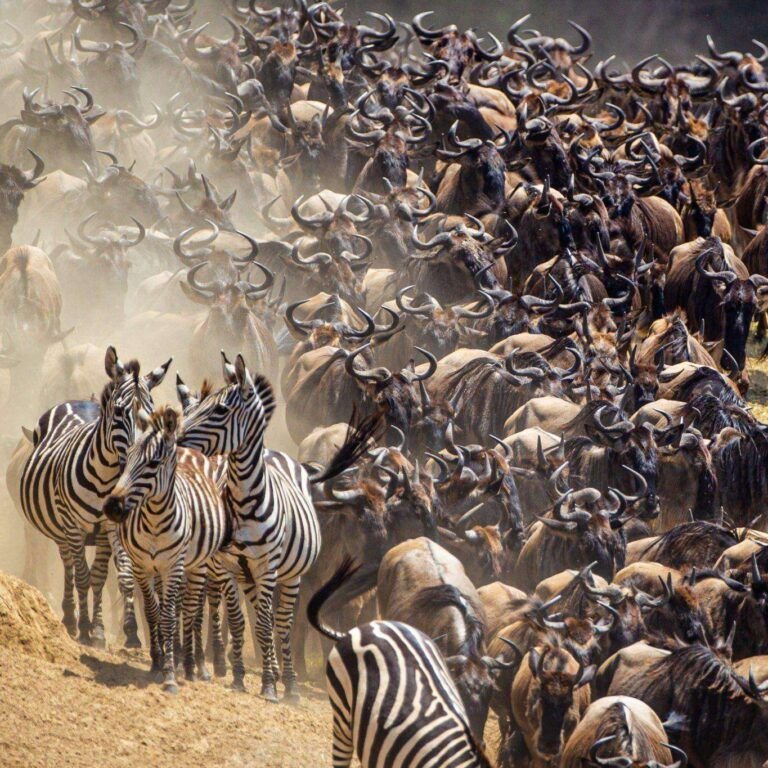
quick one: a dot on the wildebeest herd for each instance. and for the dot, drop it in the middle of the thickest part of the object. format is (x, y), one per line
(501, 295)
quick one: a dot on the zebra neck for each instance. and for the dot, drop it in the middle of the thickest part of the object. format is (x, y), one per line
(158, 506)
(246, 477)
(102, 458)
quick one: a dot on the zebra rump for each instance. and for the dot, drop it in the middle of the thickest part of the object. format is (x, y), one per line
(393, 700)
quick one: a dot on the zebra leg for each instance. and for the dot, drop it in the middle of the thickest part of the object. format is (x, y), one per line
(284, 616)
(341, 750)
(260, 596)
(236, 622)
(178, 648)
(152, 614)
(76, 541)
(214, 590)
(171, 587)
(126, 584)
(68, 603)
(194, 597)
(98, 579)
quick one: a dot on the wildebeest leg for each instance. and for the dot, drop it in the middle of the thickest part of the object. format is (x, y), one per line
(284, 617)
(260, 597)
(99, 570)
(126, 585)
(68, 602)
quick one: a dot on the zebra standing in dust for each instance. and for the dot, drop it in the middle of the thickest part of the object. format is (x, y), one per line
(74, 464)
(170, 522)
(276, 536)
(393, 700)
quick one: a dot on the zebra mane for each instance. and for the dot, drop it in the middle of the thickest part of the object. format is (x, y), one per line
(266, 394)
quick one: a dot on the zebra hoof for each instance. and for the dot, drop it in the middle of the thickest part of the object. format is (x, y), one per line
(132, 641)
(220, 668)
(204, 675)
(190, 676)
(70, 624)
(98, 640)
(269, 693)
(171, 688)
(238, 685)
(292, 698)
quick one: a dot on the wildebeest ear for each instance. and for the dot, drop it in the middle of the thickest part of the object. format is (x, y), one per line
(533, 661)
(586, 676)
(155, 378)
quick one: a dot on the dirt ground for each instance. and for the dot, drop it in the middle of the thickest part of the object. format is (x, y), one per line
(65, 705)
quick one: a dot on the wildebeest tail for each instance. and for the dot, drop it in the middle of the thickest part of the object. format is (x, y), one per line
(358, 438)
(448, 596)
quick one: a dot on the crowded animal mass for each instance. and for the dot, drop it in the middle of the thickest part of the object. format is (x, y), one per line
(428, 360)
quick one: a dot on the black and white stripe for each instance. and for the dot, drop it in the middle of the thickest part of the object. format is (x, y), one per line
(276, 536)
(170, 523)
(76, 461)
(394, 702)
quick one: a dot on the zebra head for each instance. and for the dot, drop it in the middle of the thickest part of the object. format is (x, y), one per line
(234, 417)
(127, 398)
(149, 469)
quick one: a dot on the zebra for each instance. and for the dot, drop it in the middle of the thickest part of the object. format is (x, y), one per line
(77, 451)
(393, 700)
(276, 536)
(170, 522)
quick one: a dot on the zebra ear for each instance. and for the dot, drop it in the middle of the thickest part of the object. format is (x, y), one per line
(244, 378)
(112, 364)
(156, 377)
(182, 392)
(228, 370)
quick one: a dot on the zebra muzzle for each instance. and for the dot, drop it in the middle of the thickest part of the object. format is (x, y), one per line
(115, 509)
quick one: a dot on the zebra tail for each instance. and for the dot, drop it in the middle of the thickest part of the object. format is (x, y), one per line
(343, 574)
(358, 438)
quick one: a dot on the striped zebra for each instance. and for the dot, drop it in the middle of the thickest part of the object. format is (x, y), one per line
(170, 522)
(74, 464)
(393, 700)
(276, 535)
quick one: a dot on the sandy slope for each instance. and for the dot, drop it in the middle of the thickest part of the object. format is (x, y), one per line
(62, 705)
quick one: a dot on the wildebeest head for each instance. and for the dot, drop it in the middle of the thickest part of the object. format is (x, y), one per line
(394, 394)
(674, 613)
(62, 131)
(740, 300)
(118, 193)
(556, 678)
(457, 49)
(112, 71)
(633, 446)
(454, 259)
(104, 259)
(591, 528)
(210, 208)
(13, 184)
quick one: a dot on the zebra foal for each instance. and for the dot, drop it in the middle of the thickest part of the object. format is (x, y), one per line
(170, 523)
